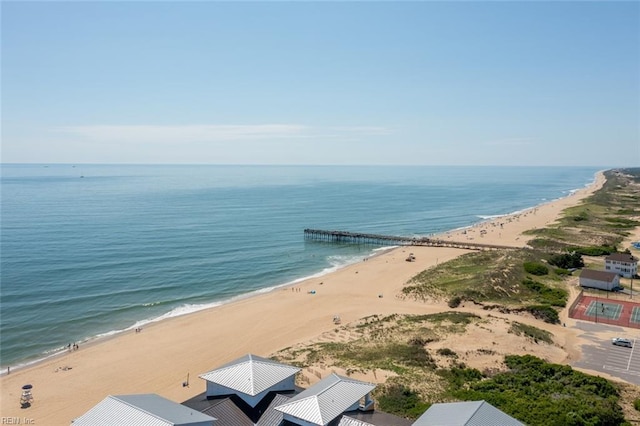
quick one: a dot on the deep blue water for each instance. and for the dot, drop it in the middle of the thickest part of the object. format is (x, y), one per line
(126, 244)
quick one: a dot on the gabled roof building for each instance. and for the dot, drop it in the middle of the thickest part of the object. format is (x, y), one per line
(623, 264)
(602, 280)
(469, 413)
(142, 410)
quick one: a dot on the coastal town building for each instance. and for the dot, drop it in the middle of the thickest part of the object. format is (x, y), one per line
(603, 280)
(624, 264)
(250, 378)
(143, 409)
(256, 391)
(469, 413)
(327, 400)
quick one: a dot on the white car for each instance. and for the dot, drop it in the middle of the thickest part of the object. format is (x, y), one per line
(619, 341)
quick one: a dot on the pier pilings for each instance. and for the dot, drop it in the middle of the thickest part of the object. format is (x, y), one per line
(376, 239)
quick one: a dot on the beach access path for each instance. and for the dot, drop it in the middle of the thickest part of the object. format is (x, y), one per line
(158, 359)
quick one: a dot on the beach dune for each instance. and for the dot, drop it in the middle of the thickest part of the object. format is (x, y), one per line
(159, 358)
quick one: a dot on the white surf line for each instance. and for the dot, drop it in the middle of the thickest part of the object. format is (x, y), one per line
(631, 354)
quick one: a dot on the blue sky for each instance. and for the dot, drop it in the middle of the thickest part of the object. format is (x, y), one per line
(446, 83)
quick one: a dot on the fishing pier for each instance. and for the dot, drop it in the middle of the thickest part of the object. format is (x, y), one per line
(375, 239)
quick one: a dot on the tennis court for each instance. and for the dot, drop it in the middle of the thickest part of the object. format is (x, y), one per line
(635, 315)
(606, 310)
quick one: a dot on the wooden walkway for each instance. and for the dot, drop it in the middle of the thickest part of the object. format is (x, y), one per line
(359, 238)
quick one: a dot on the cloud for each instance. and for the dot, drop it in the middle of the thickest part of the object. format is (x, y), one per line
(214, 133)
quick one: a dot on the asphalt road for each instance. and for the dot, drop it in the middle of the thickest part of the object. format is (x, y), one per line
(601, 355)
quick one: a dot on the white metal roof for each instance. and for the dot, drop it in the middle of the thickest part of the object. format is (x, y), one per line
(350, 421)
(469, 413)
(140, 410)
(250, 374)
(326, 400)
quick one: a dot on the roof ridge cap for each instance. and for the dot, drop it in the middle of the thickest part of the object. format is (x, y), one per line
(482, 402)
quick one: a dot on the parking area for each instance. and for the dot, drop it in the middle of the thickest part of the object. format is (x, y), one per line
(601, 355)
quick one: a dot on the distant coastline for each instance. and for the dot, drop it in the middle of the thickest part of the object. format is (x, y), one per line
(207, 338)
(351, 256)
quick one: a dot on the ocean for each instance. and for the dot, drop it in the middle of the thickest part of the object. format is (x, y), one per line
(93, 250)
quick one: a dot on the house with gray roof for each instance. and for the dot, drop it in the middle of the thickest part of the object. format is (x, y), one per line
(143, 410)
(469, 413)
(326, 400)
(250, 378)
(255, 391)
(602, 280)
(250, 391)
(624, 264)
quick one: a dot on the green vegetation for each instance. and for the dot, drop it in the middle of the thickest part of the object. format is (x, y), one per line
(400, 400)
(528, 280)
(497, 280)
(593, 250)
(547, 295)
(604, 218)
(392, 356)
(534, 333)
(540, 393)
(451, 316)
(447, 352)
(535, 268)
(479, 277)
(544, 312)
(459, 377)
(567, 260)
(455, 301)
(527, 388)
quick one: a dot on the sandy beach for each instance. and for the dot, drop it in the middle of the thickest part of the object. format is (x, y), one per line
(159, 358)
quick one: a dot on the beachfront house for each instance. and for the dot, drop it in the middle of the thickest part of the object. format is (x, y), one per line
(255, 391)
(603, 280)
(142, 409)
(468, 413)
(623, 264)
(328, 399)
(250, 378)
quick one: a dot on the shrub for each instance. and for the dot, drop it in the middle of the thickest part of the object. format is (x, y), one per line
(455, 301)
(636, 404)
(552, 296)
(562, 272)
(532, 332)
(400, 400)
(541, 393)
(544, 312)
(593, 250)
(447, 352)
(458, 377)
(580, 217)
(567, 260)
(536, 268)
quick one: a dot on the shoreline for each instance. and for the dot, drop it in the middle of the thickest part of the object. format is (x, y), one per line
(158, 358)
(103, 337)
(460, 234)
